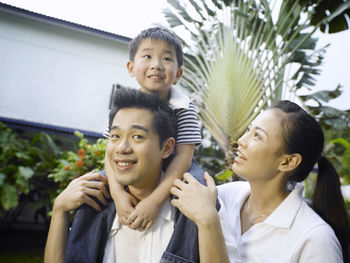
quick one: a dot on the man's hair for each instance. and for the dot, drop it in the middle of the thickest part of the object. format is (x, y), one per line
(164, 122)
(160, 34)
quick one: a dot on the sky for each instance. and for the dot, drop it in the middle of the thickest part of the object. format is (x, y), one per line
(129, 17)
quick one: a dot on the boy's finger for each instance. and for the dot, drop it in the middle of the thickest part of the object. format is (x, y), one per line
(149, 225)
(131, 218)
(136, 224)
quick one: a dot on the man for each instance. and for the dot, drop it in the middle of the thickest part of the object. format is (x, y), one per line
(142, 132)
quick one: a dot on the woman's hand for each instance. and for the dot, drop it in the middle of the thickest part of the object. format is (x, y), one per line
(194, 200)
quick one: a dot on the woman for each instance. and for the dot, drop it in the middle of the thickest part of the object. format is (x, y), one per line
(266, 219)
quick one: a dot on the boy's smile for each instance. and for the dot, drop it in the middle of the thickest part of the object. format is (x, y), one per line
(155, 67)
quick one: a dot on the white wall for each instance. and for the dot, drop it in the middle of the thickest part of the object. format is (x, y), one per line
(58, 76)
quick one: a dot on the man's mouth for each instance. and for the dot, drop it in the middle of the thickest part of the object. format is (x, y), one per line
(125, 163)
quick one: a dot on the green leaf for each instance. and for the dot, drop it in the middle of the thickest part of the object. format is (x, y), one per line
(22, 178)
(2, 179)
(227, 174)
(8, 196)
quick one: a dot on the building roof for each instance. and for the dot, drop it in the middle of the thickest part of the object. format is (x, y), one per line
(62, 23)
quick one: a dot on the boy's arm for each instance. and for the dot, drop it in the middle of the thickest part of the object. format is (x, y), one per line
(147, 209)
(78, 192)
(124, 202)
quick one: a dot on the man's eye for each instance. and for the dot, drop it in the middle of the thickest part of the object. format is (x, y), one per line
(114, 136)
(137, 137)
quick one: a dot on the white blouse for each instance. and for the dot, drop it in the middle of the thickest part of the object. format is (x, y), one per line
(293, 233)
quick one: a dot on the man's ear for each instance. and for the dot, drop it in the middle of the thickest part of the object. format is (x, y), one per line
(130, 66)
(168, 147)
(290, 162)
(178, 75)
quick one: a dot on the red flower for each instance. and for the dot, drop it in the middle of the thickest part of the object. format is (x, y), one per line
(74, 177)
(79, 163)
(67, 168)
(81, 152)
(97, 152)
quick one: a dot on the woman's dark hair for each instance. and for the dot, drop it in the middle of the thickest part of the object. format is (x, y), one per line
(164, 121)
(303, 135)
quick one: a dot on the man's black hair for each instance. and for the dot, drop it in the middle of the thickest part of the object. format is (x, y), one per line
(164, 121)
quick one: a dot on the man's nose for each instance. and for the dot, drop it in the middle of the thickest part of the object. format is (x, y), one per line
(123, 146)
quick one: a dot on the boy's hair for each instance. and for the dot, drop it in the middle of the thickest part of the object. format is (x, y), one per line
(164, 121)
(160, 34)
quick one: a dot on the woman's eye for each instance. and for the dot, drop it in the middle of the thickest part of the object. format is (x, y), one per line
(247, 130)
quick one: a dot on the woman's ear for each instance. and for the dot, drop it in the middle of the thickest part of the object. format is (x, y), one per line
(168, 147)
(290, 162)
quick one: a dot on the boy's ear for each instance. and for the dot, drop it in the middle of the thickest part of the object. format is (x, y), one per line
(290, 162)
(130, 66)
(168, 147)
(178, 75)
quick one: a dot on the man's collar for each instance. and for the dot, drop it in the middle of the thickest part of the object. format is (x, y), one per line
(166, 212)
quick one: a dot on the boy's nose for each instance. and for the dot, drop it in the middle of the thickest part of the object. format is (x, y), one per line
(156, 64)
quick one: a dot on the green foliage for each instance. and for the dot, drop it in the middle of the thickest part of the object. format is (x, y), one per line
(23, 164)
(341, 157)
(71, 164)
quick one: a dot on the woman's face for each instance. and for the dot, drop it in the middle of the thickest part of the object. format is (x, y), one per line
(260, 149)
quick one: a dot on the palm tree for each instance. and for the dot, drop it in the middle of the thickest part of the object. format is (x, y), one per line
(243, 55)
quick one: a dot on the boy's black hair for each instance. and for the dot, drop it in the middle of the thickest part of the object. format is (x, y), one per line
(160, 34)
(164, 121)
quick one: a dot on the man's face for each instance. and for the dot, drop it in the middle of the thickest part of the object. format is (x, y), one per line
(155, 67)
(133, 149)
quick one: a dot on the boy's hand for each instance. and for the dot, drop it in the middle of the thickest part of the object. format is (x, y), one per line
(144, 214)
(125, 205)
(124, 202)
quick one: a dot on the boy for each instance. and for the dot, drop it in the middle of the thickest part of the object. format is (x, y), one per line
(155, 61)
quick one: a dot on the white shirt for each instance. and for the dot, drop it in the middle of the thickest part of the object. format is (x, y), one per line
(140, 246)
(293, 233)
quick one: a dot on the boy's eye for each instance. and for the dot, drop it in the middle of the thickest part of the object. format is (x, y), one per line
(147, 56)
(167, 59)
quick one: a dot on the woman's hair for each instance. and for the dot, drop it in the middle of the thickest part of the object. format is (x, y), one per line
(302, 134)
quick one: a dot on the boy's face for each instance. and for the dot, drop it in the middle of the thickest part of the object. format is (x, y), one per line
(155, 67)
(133, 149)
